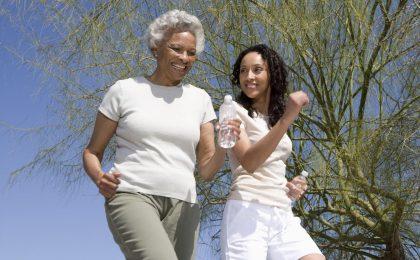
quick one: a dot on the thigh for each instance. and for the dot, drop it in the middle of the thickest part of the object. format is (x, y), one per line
(244, 233)
(182, 226)
(136, 226)
(292, 242)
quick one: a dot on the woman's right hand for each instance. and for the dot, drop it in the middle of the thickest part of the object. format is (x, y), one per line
(108, 183)
(294, 104)
(296, 187)
(234, 124)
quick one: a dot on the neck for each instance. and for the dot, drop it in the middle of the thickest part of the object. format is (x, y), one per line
(159, 78)
(261, 105)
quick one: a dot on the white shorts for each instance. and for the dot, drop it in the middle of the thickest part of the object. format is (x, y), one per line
(257, 232)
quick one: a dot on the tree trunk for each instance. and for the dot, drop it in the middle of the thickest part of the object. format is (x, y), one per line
(394, 248)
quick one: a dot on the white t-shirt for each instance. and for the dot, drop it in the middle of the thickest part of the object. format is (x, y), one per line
(157, 135)
(267, 184)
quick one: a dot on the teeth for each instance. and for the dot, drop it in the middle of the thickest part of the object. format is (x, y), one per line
(179, 66)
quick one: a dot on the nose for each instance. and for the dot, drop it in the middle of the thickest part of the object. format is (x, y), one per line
(250, 75)
(184, 56)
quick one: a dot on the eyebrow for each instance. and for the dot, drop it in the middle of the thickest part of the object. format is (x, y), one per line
(256, 64)
(177, 45)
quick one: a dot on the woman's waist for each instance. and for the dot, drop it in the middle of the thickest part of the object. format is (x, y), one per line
(134, 174)
(261, 184)
(262, 175)
(267, 197)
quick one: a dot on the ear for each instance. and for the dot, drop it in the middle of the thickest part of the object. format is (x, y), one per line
(154, 52)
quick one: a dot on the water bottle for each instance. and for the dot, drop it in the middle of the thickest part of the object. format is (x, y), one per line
(227, 111)
(303, 175)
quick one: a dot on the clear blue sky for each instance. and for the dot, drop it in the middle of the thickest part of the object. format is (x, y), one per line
(38, 220)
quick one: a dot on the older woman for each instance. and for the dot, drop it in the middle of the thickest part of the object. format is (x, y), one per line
(162, 126)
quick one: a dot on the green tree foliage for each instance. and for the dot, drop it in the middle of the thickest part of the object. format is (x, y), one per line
(356, 59)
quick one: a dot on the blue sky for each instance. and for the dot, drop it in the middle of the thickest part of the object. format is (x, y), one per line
(38, 218)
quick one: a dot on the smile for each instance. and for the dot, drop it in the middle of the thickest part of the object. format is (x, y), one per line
(251, 85)
(179, 67)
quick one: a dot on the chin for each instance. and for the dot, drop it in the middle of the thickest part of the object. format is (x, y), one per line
(179, 75)
(251, 95)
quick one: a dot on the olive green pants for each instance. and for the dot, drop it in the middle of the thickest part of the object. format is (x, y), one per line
(153, 227)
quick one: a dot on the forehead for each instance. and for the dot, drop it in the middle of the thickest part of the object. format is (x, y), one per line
(186, 39)
(253, 58)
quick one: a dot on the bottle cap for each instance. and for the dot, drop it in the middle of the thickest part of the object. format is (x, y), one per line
(304, 173)
(228, 99)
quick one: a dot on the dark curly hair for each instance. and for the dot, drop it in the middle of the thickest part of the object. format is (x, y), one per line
(277, 81)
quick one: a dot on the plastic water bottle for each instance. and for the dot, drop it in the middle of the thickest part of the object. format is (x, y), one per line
(227, 111)
(303, 175)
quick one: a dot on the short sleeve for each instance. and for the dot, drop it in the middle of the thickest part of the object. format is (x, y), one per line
(209, 113)
(111, 104)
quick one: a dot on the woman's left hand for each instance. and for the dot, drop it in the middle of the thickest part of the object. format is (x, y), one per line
(297, 187)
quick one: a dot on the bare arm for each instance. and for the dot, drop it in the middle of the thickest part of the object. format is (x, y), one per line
(211, 156)
(92, 155)
(252, 156)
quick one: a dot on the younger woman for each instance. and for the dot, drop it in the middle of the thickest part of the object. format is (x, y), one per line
(258, 222)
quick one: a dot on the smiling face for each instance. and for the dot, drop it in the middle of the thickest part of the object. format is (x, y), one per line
(175, 57)
(254, 77)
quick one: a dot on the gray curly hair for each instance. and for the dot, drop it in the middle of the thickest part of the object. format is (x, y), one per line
(177, 20)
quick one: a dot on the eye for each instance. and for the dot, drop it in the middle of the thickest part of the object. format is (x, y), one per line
(175, 49)
(242, 70)
(258, 69)
(191, 53)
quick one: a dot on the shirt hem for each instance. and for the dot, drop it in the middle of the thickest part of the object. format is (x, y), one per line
(157, 193)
